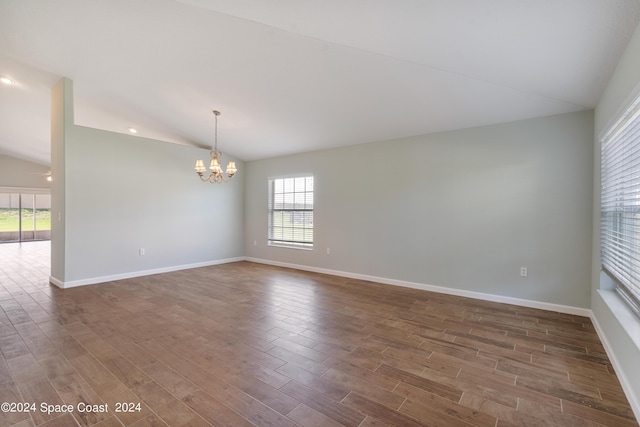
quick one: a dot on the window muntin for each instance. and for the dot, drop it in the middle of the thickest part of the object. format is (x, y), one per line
(291, 212)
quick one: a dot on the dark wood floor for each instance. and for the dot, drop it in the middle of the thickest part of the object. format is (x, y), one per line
(247, 344)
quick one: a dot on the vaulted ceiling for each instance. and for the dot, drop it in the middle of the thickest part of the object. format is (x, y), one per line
(300, 75)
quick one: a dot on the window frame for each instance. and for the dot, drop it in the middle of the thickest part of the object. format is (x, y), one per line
(304, 212)
(22, 232)
(620, 203)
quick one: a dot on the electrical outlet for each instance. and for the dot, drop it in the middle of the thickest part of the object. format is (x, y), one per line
(523, 271)
(328, 251)
(255, 243)
(141, 251)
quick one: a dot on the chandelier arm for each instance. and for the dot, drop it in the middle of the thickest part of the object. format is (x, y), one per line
(217, 174)
(218, 178)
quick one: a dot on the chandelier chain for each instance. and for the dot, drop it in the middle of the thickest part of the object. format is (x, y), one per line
(216, 175)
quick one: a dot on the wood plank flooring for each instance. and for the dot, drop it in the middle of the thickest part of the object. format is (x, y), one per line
(246, 344)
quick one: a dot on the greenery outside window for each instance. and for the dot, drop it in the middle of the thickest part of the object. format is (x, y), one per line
(25, 217)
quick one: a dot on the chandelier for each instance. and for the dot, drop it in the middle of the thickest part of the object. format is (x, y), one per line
(215, 176)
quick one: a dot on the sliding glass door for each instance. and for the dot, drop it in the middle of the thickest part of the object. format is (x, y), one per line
(9, 217)
(25, 217)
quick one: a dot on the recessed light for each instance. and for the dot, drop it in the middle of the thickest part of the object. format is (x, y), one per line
(6, 80)
(133, 130)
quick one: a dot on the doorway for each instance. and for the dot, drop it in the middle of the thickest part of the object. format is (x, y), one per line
(25, 216)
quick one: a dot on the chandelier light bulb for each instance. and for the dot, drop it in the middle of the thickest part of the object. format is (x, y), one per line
(216, 175)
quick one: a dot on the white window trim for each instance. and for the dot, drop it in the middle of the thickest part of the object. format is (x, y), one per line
(621, 271)
(281, 244)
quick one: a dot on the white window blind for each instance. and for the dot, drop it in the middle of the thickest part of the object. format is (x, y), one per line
(620, 205)
(291, 212)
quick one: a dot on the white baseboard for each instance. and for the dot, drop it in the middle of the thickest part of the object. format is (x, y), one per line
(440, 289)
(633, 401)
(56, 282)
(619, 309)
(110, 278)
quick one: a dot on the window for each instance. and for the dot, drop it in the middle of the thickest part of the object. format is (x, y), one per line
(291, 212)
(620, 204)
(25, 217)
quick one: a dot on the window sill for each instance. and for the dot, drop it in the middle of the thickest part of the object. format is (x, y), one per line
(623, 313)
(275, 245)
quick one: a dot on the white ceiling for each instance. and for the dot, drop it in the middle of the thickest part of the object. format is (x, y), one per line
(299, 75)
